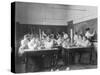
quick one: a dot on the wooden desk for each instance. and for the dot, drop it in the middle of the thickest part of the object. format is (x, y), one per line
(44, 58)
(30, 52)
(48, 58)
(70, 54)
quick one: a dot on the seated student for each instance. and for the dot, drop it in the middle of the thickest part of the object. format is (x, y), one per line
(57, 35)
(31, 43)
(31, 36)
(24, 44)
(48, 43)
(51, 36)
(65, 35)
(75, 38)
(37, 42)
(66, 43)
(34, 43)
(44, 35)
(78, 40)
(85, 42)
(59, 40)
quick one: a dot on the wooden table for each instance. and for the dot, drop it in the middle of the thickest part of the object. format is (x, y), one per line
(69, 54)
(44, 58)
(48, 58)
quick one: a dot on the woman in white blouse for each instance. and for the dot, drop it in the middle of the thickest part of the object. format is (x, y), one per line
(88, 34)
(24, 44)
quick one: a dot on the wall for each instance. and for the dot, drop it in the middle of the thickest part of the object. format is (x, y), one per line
(92, 24)
(53, 14)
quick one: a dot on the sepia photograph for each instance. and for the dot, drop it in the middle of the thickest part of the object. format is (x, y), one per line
(53, 37)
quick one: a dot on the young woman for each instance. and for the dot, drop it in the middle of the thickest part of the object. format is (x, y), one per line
(24, 44)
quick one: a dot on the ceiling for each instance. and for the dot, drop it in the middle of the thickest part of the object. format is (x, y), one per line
(53, 14)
